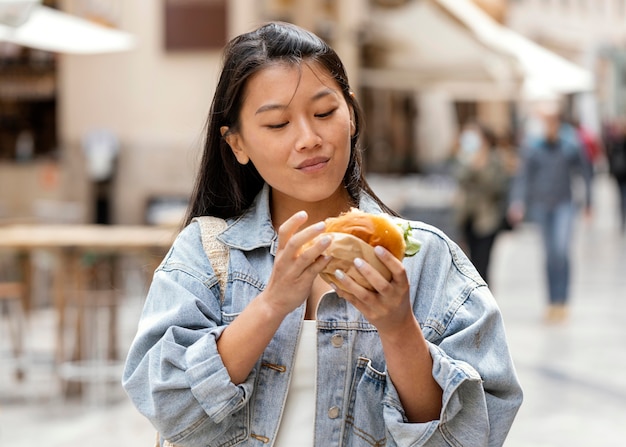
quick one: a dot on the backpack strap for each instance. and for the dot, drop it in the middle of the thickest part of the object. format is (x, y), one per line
(215, 250)
(218, 255)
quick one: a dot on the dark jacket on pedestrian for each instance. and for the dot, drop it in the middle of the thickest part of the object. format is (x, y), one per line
(547, 170)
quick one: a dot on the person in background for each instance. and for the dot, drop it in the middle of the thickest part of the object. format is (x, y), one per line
(483, 183)
(616, 157)
(551, 160)
(507, 145)
(591, 144)
(508, 149)
(286, 359)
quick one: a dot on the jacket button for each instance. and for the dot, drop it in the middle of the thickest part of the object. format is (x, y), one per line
(333, 412)
(336, 340)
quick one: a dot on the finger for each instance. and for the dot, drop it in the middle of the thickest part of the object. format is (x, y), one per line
(342, 284)
(310, 240)
(310, 253)
(305, 237)
(350, 288)
(392, 263)
(382, 284)
(289, 227)
(320, 263)
(367, 273)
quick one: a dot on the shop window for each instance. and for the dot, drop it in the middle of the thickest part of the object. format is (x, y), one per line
(195, 24)
(466, 111)
(390, 137)
(27, 103)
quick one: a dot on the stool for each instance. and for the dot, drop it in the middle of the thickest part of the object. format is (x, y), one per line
(12, 305)
(94, 363)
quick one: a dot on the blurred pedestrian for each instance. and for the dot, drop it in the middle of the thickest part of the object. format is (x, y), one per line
(483, 189)
(508, 149)
(616, 157)
(551, 160)
(591, 143)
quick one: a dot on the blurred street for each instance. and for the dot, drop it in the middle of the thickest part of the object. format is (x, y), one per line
(572, 373)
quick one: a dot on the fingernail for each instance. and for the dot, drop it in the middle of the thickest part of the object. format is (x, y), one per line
(319, 226)
(301, 214)
(358, 262)
(339, 275)
(379, 250)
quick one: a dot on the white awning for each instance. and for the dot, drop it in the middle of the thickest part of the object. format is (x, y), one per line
(545, 72)
(28, 23)
(454, 46)
(423, 47)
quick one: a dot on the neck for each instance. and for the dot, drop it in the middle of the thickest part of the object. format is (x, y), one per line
(283, 207)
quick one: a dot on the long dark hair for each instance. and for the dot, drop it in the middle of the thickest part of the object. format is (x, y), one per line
(225, 188)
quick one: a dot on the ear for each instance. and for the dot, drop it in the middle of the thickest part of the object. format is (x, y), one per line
(234, 141)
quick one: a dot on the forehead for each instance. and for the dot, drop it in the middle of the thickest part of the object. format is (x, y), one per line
(283, 82)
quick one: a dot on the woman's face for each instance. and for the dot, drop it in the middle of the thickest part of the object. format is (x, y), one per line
(295, 126)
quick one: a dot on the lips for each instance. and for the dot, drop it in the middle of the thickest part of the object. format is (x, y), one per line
(313, 163)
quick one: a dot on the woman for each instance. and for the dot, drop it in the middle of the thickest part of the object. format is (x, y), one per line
(422, 360)
(483, 190)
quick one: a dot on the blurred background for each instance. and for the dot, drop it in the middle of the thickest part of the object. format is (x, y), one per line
(102, 108)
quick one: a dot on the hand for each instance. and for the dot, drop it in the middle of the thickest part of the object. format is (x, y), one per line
(244, 340)
(295, 266)
(388, 306)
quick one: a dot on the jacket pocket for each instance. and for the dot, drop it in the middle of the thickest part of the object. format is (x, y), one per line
(240, 291)
(364, 420)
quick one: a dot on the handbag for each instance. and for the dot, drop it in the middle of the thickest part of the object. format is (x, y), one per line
(218, 256)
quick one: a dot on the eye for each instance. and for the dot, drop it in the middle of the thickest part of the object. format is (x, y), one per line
(326, 114)
(277, 126)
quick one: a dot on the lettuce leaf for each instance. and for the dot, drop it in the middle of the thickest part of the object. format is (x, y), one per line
(412, 244)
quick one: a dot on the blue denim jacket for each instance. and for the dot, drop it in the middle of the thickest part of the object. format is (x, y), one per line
(176, 378)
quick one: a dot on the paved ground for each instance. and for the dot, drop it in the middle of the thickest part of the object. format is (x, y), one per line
(573, 373)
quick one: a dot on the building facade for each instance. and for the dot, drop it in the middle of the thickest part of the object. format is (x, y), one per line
(589, 32)
(154, 101)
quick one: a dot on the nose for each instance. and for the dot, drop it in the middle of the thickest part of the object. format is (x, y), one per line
(307, 135)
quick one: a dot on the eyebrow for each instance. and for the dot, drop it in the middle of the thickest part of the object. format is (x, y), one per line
(317, 96)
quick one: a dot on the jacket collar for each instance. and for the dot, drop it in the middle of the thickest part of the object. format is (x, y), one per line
(253, 229)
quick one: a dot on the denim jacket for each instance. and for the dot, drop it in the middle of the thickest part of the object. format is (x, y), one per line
(176, 378)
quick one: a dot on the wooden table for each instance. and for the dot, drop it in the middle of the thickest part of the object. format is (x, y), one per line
(71, 243)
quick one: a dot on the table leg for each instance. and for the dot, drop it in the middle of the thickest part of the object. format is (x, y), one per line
(26, 268)
(78, 290)
(115, 263)
(67, 282)
(59, 287)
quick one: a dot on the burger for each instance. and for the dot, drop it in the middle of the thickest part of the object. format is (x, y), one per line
(356, 233)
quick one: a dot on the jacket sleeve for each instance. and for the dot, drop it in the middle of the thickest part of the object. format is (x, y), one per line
(174, 374)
